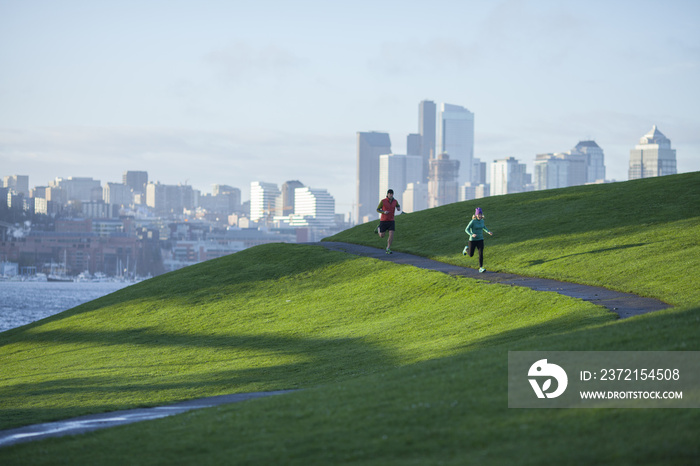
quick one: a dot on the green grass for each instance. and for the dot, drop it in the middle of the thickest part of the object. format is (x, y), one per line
(641, 236)
(399, 365)
(272, 317)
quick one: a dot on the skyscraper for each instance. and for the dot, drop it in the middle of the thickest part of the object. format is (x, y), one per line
(396, 171)
(313, 207)
(653, 156)
(426, 129)
(263, 201)
(288, 195)
(136, 180)
(442, 185)
(413, 145)
(595, 160)
(456, 137)
(369, 147)
(509, 176)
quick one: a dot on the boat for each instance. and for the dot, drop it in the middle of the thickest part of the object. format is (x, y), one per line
(58, 272)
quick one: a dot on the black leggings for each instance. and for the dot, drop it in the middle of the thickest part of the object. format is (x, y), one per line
(480, 246)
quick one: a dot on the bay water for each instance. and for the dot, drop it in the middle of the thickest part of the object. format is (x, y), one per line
(24, 302)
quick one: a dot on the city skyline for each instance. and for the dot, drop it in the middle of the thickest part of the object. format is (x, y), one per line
(215, 92)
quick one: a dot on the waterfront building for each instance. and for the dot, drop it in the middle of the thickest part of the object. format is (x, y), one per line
(653, 156)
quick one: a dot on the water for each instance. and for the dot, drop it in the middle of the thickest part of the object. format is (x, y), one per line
(24, 302)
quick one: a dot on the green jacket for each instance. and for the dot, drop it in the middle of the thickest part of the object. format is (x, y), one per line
(478, 228)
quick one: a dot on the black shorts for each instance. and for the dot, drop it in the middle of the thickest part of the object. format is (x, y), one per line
(384, 226)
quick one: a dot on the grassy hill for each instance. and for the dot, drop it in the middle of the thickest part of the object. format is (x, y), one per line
(398, 365)
(638, 236)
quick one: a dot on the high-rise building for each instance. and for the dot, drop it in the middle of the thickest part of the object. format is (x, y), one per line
(415, 197)
(426, 129)
(560, 170)
(509, 176)
(18, 183)
(263, 201)
(136, 180)
(653, 156)
(313, 207)
(469, 191)
(413, 145)
(455, 137)
(288, 197)
(396, 171)
(443, 187)
(369, 147)
(117, 194)
(169, 199)
(79, 188)
(595, 160)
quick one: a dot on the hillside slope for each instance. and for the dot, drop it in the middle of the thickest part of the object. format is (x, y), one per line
(639, 236)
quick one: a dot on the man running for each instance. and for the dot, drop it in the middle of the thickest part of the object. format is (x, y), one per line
(386, 207)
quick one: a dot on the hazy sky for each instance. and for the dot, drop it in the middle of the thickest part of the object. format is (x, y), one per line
(227, 92)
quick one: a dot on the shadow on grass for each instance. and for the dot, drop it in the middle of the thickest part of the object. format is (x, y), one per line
(597, 251)
(150, 378)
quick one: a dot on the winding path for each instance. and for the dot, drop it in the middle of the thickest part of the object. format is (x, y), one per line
(624, 304)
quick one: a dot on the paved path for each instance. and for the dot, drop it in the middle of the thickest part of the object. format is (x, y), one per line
(623, 304)
(92, 422)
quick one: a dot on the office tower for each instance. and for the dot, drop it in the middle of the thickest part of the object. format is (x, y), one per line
(79, 189)
(413, 144)
(509, 176)
(653, 156)
(118, 194)
(478, 172)
(396, 171)
(455, 137)
(469, 191)
(18, 183)
(560, 170)
(415, 197)
(136, 180)
(169, 199)
(426, 129)
(443, 187)
(263, 201)
(595, 160)
(225, 199)
(288, 194)
(369, 147)
(313, 207)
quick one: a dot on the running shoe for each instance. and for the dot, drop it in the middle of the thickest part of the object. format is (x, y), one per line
(465, 250)
(388, 251)
(482, 270)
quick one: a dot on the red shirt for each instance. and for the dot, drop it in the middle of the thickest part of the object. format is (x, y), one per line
(387, 205)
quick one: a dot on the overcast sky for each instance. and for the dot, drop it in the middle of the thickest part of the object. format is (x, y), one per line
(210, 92)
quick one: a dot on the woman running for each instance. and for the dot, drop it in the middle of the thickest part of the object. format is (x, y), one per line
(475, 230)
